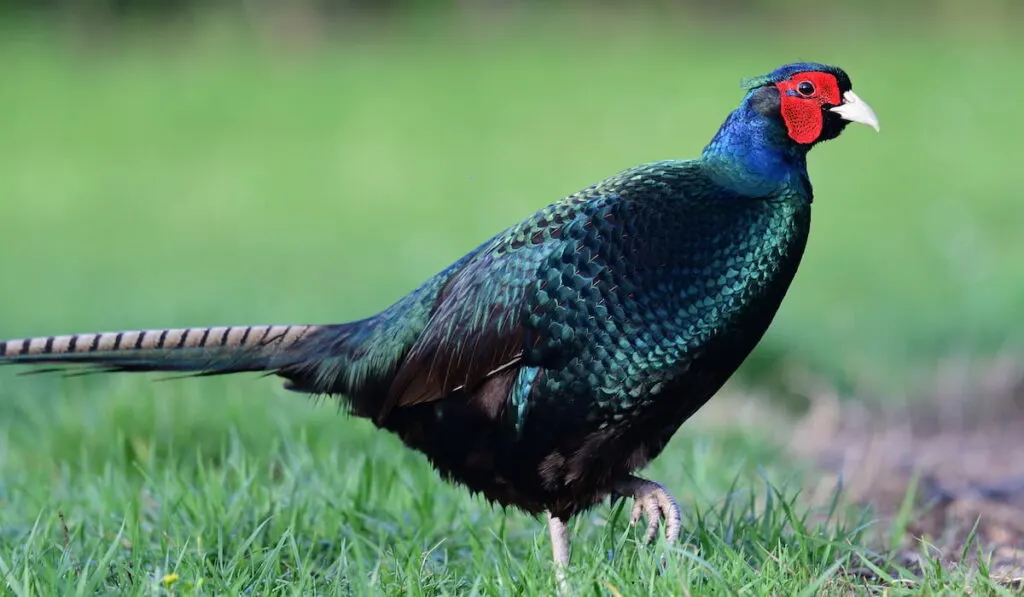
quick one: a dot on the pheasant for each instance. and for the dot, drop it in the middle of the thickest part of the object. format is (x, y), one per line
(554, 360)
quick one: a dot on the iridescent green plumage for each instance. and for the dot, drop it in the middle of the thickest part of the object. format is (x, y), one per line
(564, 352)
(551, 362)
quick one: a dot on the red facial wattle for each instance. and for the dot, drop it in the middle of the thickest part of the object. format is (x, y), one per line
(801, 111)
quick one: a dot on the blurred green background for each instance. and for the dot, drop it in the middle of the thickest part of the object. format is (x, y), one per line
(186, 163)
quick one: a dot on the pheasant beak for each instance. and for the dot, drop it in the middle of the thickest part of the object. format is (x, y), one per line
(855, 109)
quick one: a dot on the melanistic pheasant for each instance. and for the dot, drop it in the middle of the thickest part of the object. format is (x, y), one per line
(551, 362)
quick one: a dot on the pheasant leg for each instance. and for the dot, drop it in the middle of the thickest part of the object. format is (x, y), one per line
(559, 550)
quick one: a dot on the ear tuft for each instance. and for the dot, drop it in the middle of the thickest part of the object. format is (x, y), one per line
(749, 83)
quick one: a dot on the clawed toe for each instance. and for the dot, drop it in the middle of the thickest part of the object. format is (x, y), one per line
(654, 503)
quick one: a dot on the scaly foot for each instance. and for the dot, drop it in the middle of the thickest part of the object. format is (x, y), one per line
(654, 502)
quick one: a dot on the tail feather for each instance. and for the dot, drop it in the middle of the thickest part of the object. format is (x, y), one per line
(205, 351)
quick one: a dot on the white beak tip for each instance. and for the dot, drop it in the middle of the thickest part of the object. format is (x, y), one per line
(855, 109)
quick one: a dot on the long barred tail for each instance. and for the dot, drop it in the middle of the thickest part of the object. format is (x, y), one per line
(208, 351)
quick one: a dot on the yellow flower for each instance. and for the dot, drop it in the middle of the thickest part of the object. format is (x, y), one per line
(170, 579)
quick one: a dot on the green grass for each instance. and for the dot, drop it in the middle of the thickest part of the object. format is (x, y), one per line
(109, 492)
(215, 180)
(269, 494)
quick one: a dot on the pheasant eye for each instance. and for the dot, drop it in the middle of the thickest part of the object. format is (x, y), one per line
(805, 88)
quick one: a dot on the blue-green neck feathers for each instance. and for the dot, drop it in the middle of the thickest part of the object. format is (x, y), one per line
(753, 153)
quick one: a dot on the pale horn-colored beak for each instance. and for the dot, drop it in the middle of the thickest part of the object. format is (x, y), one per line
(855, 109)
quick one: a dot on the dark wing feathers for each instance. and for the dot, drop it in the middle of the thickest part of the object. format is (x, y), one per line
(478, 328)
(474, 331)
